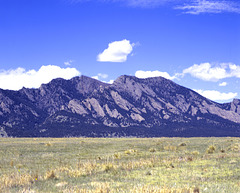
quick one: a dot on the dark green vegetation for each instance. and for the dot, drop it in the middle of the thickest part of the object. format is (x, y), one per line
(120, 165)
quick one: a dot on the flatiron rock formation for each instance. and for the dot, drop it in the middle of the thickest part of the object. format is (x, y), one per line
(82, 106)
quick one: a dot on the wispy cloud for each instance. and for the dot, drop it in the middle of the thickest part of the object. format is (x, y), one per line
(214, 73)
(116, 52)
(156, 73)
(209, 6)
(100, 76)
(68, 63)
(17, 78)
(216, 95)
(187, 6)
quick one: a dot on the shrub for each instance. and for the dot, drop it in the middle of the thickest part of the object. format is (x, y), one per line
(222, 150)
(148, 173)
(211, 149)
(152, 150)
(196, 190)
(117, 155)
(182, 144)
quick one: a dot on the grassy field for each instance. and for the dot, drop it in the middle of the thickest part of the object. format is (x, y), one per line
(120, 165)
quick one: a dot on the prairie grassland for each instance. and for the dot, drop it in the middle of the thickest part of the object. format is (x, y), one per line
(120, 165)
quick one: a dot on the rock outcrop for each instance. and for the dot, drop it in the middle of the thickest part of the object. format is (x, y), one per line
(130, 106)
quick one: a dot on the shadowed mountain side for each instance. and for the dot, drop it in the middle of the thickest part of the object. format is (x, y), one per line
(130, 106)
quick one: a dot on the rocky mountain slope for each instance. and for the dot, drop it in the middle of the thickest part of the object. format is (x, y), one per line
(130, 106)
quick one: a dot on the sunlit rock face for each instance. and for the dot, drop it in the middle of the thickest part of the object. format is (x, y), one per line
(233, 106)
(83, 106)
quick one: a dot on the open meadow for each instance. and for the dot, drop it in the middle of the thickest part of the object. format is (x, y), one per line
(120, 165)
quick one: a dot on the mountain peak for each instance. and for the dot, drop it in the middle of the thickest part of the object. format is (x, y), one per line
(87, 80)
(236, 101)
(123, 78)
(85, 84)
(83, 106)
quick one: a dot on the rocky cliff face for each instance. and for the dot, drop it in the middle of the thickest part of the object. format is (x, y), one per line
(130, 106)
(233, 106)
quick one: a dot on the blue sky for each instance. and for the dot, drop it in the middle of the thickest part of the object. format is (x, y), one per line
(195, 43)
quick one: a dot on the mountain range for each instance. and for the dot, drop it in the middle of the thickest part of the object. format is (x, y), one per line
(83, 106)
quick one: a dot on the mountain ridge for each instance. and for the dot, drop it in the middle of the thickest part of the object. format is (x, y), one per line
(130, 106)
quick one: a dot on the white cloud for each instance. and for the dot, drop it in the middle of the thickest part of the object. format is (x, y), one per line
(147, 74)
(116, 52)
(110, 81)
(216, 95)
(100, 76)
(223, 84)
(68, 63)
(205, 71)
(209, 72)
(188, 6)
(209, 6)
(234, 70)
(17, 78)
(95, 77)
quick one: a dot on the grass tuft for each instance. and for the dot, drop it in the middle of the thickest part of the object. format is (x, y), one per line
(50, 175)
(211, 149)
(48, 144)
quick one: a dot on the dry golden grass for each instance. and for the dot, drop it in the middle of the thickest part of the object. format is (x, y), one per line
(15, 179)
(120, 165)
